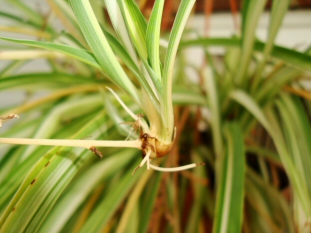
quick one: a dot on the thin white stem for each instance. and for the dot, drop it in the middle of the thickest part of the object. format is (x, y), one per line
(123, 104)
(73, 143)
(146, 159)
(173, 169)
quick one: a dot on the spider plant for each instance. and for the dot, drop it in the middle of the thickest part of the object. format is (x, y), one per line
(115, 81)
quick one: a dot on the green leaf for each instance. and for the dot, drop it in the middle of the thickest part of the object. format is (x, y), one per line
(33, 17)
(271, 210)
(119, 26)
(167, 75)
(46, 127)
(36, 81)
(111, 202)
(279, 8)
(125, 57)
(123, 54)
(184, 96)
(299, 188)
(245, 100)
(101, 48)
(199, 195)
(132, 201)
(11, 68)
(80, 190)
(64, 12)
(251, 12)
(136, 25)
(210, 84)
(153, 37)
(271, 124)
(298, 134)
(289, 56)
(80, 54)
(149, 199)
(230, 189)
(44, 183)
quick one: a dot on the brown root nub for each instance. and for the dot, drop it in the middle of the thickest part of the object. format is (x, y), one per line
(135, 170)
(158, 148)
(200, 164)
(11, 116)
(96, 152)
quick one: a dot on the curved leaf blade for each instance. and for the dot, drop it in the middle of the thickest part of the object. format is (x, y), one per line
(153, 36)
(291, 57)
(101, 48)
(167, 75)
(79, 192)
(250, 15)
(79, 54)
(230, 190)
(136, 25)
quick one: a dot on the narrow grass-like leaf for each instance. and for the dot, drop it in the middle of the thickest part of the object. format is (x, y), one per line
(298, 134)
(65, 14)
(132, 201)
(15, 18)
(111, 202)
(149, 199)
(185, 96)
(273, 128)
(44, 184)
(122, 54)
(11, 68)
(79, 191)
(79, 54)
(136, 25)
(101, 48)
(211, 88)
(299, 187)
(199, 195)
(50, 81)
(244, 99)
(153, 37)
(125, 57)
(230, 189)
(276, 82)
(279, 8)
(293, 132)
(289, 56)
(271, 210)
(250, 15)
(32, 15)
(31, 155)
(120, 27)
(167, 76)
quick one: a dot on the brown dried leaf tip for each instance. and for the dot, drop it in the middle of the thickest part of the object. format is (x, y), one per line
(96, 151)
(11, 116)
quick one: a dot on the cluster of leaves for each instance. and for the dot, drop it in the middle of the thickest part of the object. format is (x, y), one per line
(258, 132)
